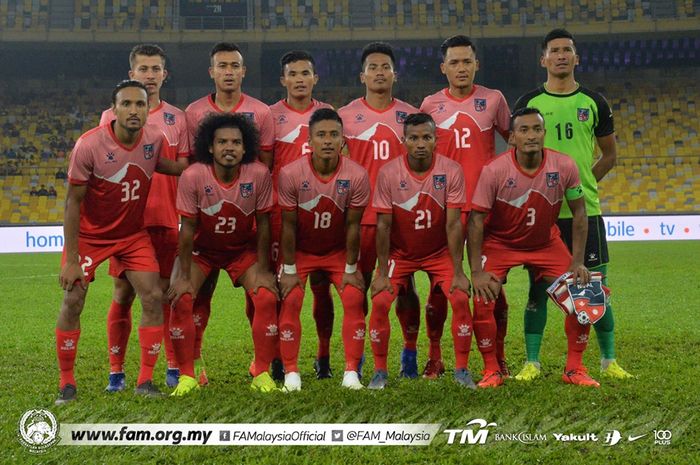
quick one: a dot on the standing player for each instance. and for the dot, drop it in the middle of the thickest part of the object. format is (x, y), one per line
(227, 70)
(577, 119)
(109, 178)
(147, 65)
(373, 128)
(224, 201)
(291, 117)
(419, 198)
(513, 223)
(322, 196)
(468, 117)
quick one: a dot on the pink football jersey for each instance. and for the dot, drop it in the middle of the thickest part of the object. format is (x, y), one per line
(466, 128)
(321, 203)
(225, 213)
(160, 207)
(251, 107)
(118, 180)
(523, 209)
(418, 205)
(291, 134)
(374, 137)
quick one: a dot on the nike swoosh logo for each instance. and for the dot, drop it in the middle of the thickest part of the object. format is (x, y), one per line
(634, 438)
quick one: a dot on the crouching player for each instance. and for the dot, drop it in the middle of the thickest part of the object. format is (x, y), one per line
(224, 200)
(419, 197)
(513, 223)
(322, 196)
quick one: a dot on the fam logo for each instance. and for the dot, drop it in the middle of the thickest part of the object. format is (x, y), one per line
(148, 151)
(553, 179)
(208, 190)
(582, 114)
(480, 104)
(168, 118)
(469, 435)
(401, 117)
(246, 189)
(111, 157)
(439, 181)
(342, 186)
(38, 430)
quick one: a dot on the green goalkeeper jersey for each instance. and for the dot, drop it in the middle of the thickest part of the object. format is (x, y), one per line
(573, 121)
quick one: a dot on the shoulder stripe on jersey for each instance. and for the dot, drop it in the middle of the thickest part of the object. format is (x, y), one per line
(311, 204)
(292, 136)
(119, 175)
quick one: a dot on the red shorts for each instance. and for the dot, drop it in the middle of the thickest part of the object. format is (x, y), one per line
(332, 263)
(551, 260)
(164, 242)
(275, 236)
(133, 254)
(368, 248)
(235, 266)
(439, 268)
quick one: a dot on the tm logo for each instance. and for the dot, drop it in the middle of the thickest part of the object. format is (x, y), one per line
(468, 435)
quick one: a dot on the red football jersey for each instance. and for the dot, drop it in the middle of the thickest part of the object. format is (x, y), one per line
(118, 180)
(251, 107)
(225, 212)
(321, 203)
(523, 209)
(160, 207)
(419, 205)
(374, 137)
(291, 134)
(466, 128)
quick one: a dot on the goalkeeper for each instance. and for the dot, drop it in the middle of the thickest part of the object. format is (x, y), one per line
(513, 222)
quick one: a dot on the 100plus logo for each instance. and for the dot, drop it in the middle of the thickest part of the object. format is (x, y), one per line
(470, 435)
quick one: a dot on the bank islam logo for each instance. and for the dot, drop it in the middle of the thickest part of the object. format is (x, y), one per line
(469, 436)
(38, 430)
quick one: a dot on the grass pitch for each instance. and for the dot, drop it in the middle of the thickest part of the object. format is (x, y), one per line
(656, 295)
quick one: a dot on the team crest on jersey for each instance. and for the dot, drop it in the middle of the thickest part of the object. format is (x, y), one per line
(359, 118)
(342, 186)
(403, 185)
(480, 104)
(169, 118)
(582, 114)
(111, 157)
(249, 115)
(208, 190)
(439, 181)
(282, 119)
(510, 182)
(305, 186)
(401, 117)
(148, 151)
(553, 179)
(246, 189)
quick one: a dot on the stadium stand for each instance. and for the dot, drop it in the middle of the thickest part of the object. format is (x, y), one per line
(331, 15)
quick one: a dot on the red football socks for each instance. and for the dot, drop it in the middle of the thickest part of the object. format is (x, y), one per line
(577, 340)
(182, 335)
(379, 328)
(290, 329)
(323, 315)
(66, 349)
(118, 332)
(265, 333)
(435, 316)
(461, 325)
(353, 326)
(200, 313)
